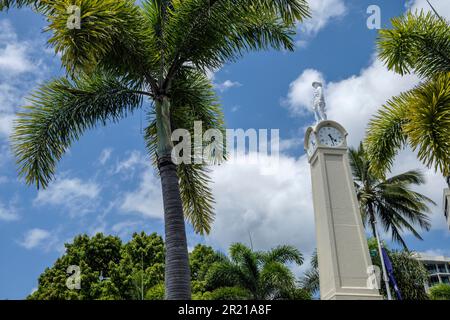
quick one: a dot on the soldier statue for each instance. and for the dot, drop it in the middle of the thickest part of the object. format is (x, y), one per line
(319, 102)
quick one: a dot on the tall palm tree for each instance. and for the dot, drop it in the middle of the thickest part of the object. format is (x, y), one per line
(390, 202)
(263, 274)
(418, 43)
(125, 53)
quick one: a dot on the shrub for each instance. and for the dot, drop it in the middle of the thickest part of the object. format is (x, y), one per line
(440, 292)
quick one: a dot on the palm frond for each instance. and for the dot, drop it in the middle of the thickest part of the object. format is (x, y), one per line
(418, 43)
(209, 33)
(385, 134)
(60, 112)
(391, 202)
(282, 254)
(428, 123)
(274, 279)
(197, 196)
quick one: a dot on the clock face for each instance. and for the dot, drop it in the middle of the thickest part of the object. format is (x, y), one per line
(330, 136)
(312, 144)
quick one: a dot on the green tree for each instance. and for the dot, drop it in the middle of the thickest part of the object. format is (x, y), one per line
(440, 292)
(201, 260)
(391, 202)
(310, 279)
(420, 118)
(124, 53)
(110, 270)
(409, 272)
(264, 275)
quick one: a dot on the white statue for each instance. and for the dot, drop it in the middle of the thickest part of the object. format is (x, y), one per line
(319, 102)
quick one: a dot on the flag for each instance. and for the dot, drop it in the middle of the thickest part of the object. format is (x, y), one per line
(390, 272)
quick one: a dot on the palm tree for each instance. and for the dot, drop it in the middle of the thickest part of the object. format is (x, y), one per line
(263, 274)
(310, 280)
(123, 54)
(419, 118)
(390, 202)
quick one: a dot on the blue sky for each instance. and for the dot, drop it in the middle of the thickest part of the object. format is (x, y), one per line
(105, 184)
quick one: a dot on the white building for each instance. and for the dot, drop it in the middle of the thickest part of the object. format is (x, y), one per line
(438, 268)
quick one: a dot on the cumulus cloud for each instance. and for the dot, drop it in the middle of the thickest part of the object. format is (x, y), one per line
(75, 195)
(273, 209)
(35, 238)
(19, 72)
(322, 12)
(13, 53)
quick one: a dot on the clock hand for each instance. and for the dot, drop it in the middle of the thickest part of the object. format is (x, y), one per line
(332, 139)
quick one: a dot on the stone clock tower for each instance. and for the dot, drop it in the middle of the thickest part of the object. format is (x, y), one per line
(342, 248)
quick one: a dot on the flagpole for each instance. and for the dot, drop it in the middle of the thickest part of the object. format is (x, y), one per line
(435, 12)
(383, 267)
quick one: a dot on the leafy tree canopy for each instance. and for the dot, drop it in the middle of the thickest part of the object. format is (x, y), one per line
(110, 269)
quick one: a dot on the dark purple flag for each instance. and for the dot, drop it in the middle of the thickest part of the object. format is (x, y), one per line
(390, 272)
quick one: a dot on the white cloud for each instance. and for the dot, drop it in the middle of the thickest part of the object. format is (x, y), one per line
(16, 66)
(14, 54)
(322, 12)
(74, 194)
(6, 124)
(290, 144)
(130, 164)
(146, 199)
(105, 155)
(273, 209)
(13, 58)
(226, 85)
(35, 238)
(8, 214)
(360, 96)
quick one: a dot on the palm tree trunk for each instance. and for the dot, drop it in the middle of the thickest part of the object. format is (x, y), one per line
(177, 272)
